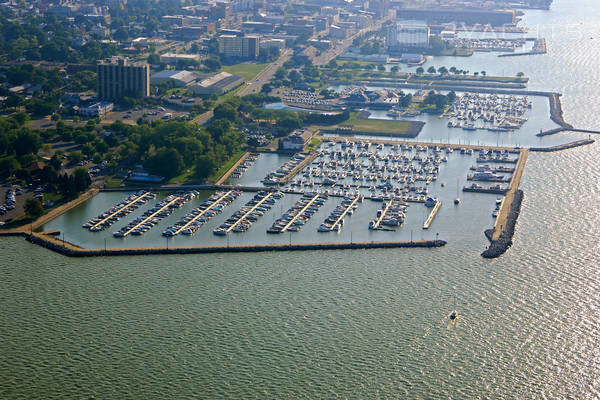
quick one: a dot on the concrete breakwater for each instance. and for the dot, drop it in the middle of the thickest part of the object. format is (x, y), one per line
(70, 250)
(504, 241)
(560, 147)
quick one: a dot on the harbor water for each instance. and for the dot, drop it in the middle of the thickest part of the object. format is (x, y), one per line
(340, 324)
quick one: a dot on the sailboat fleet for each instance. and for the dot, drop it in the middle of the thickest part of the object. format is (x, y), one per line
(495, 113)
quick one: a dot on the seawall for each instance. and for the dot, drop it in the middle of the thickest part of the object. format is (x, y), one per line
(500, 245)
(70, 250)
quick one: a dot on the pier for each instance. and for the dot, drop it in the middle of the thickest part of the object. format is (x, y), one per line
(307, 160)
(432, 215)
(383, 213)
(197, 217)
(243, 217)
(341, 217)
(300, 212)
(501, 220)
(142, 199)
(149, 217)
(70, 250)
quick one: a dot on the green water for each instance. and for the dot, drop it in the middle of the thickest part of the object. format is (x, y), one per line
(338, 324)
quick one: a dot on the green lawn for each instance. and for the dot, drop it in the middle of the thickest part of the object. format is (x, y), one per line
(183, 178)
(113, 182)
(314, 143)
(221, 171)
(377, 125)
(248, 71)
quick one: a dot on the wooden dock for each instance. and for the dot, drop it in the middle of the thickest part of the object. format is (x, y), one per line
(299, 213)
(502, 218)
(307, 160)
(337, 222)
(432, 215)
(149, 217)
(383, 213)
(197, 217)
(129, 204)
(230, 171)
(242, 218)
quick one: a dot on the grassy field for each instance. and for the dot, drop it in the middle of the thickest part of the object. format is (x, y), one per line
(248, 71)
(113, 182)
(377, 125)
(314, 143)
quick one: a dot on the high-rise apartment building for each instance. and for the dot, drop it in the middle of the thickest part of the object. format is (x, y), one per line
(117, 78)
(231, 46)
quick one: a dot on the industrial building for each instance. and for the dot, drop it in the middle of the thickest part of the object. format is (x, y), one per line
(408, 34)
(178, 78)
(246, 47)
(117, 78)
(217, 84)
(173, 59)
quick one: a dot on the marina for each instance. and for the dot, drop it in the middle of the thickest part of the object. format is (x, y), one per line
(391, 216)
(299, 214)
(114, 214)
(189, 224)
(336, 219)
(150, 218)
(243, 219)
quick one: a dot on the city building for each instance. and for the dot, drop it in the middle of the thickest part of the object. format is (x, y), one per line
(268, 43)
(218, 84)
(178, 78)
(469, 16)
(173, 59)
(117, 78)
(246, 47)
(96, 109)
(295, 141)
(408, 34)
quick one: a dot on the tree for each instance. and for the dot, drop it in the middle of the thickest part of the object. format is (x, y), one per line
(205, 166)
(420, 70)
(81, 179)
(442, 70)
(281, 73)
(225, 111)
(520, 74)
(33, 207)
(395, 69)
(75, 157)
(295, 77)
(431, 70)
(153, 59)
(484, 73)
(27, 142)
(381, 67)
(166, 162)
(213, 63)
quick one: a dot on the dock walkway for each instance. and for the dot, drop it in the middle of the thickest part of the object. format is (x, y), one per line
(383, 213)
(342, 215)
(432, 215)
(501, 220)
(149, 217)
(197, 217)
(243, 217)
(129, 204)
(299, 213)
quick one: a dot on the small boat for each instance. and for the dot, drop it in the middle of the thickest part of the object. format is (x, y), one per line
(454, 313)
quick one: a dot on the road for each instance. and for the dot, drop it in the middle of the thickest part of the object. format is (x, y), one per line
(254, 86)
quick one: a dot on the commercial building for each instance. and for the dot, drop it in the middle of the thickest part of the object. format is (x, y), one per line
(469, 16)
(246, 47)
(408, 34)
(96, 109)
(295, 141)
(178, 78)
(173, 59)
(268, 43)
(117, 78)
(218, 84)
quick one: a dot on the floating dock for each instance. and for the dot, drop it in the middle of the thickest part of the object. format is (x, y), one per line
(341, 217)
(300, 212)
(243, 217)
(383, 213)
(432, 215)
(143, 198)
(197, 217)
